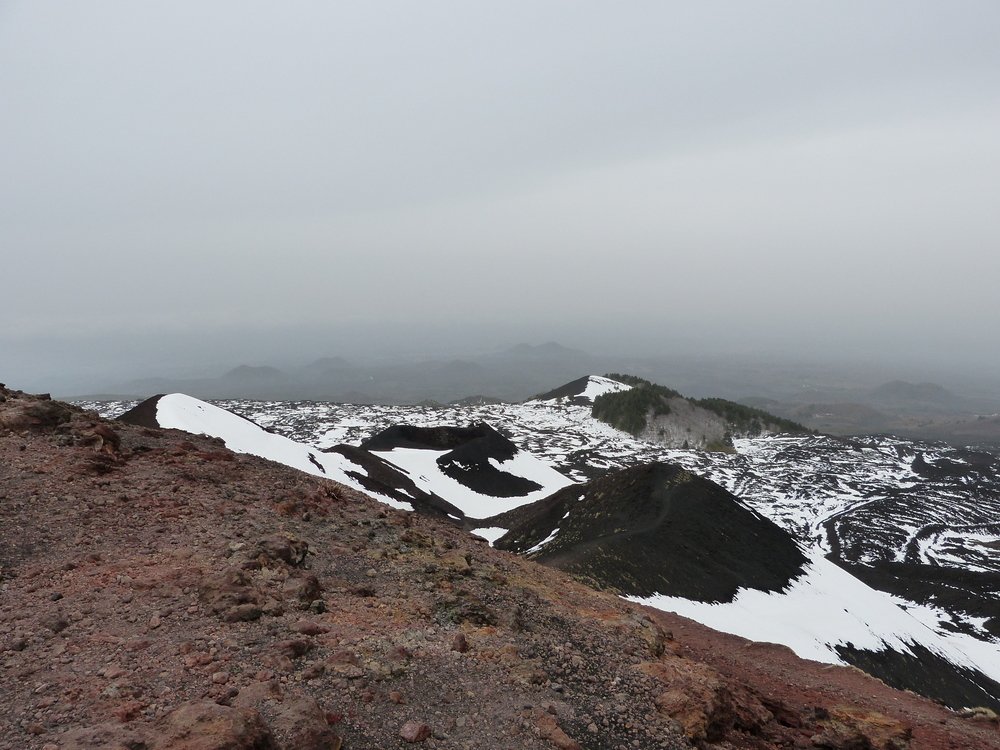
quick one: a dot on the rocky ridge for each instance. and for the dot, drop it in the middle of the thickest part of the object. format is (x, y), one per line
(162, 592)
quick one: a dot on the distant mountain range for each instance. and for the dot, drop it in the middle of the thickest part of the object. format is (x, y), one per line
(879, 553)
(513, 374)
(919, 410)
(835, 403)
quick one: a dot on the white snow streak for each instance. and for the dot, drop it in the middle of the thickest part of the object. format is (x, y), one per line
(826, 607)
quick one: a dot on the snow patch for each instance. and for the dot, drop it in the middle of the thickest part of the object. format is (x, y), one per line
(181, 412)
(421, 464)
(490, 533)
(598, 386)
(826, 607)
(545, 541)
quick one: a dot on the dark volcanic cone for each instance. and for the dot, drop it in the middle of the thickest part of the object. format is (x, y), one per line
(469, 460)
(572, 391)
(383, 478)
(437, 438)
(655, 529)
(143, 414)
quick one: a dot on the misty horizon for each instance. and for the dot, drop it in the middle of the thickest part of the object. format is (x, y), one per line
(187, 188)
(693, 367)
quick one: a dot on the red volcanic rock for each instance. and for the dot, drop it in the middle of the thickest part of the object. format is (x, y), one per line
(209, 726)
(414, 731)
(308, 627)
(304, 725)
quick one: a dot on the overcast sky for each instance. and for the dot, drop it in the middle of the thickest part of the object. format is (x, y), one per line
(820, 176)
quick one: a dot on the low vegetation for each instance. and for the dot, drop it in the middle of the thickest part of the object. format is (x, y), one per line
(748, 420)
(629, 410)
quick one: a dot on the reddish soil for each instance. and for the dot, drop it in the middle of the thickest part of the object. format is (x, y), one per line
(802, 685)
(158, 592)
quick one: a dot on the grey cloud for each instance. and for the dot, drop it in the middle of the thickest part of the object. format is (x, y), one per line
(781, 175)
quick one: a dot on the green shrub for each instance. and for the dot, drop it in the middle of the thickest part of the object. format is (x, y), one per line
(633, 380)
(719, 446)
(629, 410)
(747, 419)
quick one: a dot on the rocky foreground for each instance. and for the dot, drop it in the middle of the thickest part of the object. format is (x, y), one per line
(160, 592)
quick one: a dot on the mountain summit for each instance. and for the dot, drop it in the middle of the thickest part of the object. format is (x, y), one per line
(663, 416)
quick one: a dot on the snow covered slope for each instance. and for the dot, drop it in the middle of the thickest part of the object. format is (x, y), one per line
(830, 616)
(827, 608)
(425, 467)
(426, 479)
(583, 391)
(476, 468)
(181, 412)
(669, 539)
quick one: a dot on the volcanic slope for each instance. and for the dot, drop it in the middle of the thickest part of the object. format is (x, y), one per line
(353, 467)
(160, 591)
(655, 529)
(666, 538)
(455, 472)
(919, 520)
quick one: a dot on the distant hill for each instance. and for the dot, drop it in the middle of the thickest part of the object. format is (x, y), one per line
(513, 374)
(901, 394)
(828, 402)
(662, 415)
(927, 411)
(583, 391)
